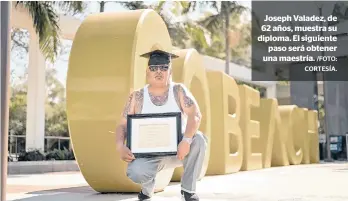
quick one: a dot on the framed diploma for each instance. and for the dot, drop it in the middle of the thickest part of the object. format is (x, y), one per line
(150, 135)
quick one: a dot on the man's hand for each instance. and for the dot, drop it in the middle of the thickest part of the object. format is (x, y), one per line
(126, 154)
(183, 150)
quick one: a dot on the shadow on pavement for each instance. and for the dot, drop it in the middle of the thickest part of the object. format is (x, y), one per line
(76, 194)
(80, 197)
(80, 189)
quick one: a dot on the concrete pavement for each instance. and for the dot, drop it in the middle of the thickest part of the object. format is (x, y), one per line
(318, 182)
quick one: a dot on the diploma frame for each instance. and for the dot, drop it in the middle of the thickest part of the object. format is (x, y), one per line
(170, 118)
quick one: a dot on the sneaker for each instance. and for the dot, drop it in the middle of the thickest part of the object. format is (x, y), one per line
(142, 196)
(189, 196)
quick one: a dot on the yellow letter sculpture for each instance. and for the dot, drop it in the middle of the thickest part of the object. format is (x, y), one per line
(279, 152)
(244, 132)
(250, 128)
(289, 115)
(104, 68)
(189, 70)
(264, 144)
(226, 140)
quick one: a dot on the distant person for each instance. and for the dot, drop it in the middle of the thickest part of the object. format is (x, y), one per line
(162, 95)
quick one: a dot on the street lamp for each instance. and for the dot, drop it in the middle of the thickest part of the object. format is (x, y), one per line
(5, 7)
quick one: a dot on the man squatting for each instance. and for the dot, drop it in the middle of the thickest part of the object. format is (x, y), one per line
(162, 95)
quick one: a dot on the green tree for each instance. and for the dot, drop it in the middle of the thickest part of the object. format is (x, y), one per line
(17, 117)
(55, 89)
(134, 5)
(218, 23)
(102, 6)
(17, 112)
(176, 29)
(207, 35)
(56, 123)
(46, 22)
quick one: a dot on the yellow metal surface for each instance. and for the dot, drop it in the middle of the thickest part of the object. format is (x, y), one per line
(226, 152)
(104, 68)
(244, 131)
(279, 152)
(290, 120)
(264, 144)
(249, 127)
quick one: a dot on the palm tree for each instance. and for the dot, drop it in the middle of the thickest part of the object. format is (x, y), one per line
(183, 33)
(102, 6)
(190, 33)
(133, 5)
(215, 23)
(46, 22)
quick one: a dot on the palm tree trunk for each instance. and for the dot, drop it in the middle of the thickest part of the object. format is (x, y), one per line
(227, 43)
(102, 6)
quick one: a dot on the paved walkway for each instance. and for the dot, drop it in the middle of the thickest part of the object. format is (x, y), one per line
(320, 182)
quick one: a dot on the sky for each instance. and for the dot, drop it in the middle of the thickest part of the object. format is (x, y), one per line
(19, 60)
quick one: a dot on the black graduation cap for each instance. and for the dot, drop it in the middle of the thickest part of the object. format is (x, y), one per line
(157, 57)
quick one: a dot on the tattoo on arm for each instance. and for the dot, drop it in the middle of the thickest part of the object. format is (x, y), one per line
(121, 134)
(124, 130)
(121, 131)
(188, 102)
(176, 90)
(127, 107)
(139, 97)
(198, 114)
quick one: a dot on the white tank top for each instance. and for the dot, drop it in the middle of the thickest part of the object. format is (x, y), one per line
(169, 106)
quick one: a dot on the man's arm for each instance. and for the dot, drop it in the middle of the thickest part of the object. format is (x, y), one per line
(191, 109)
(121, 130)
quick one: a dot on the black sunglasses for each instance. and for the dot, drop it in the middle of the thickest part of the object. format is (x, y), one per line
(154, 68)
